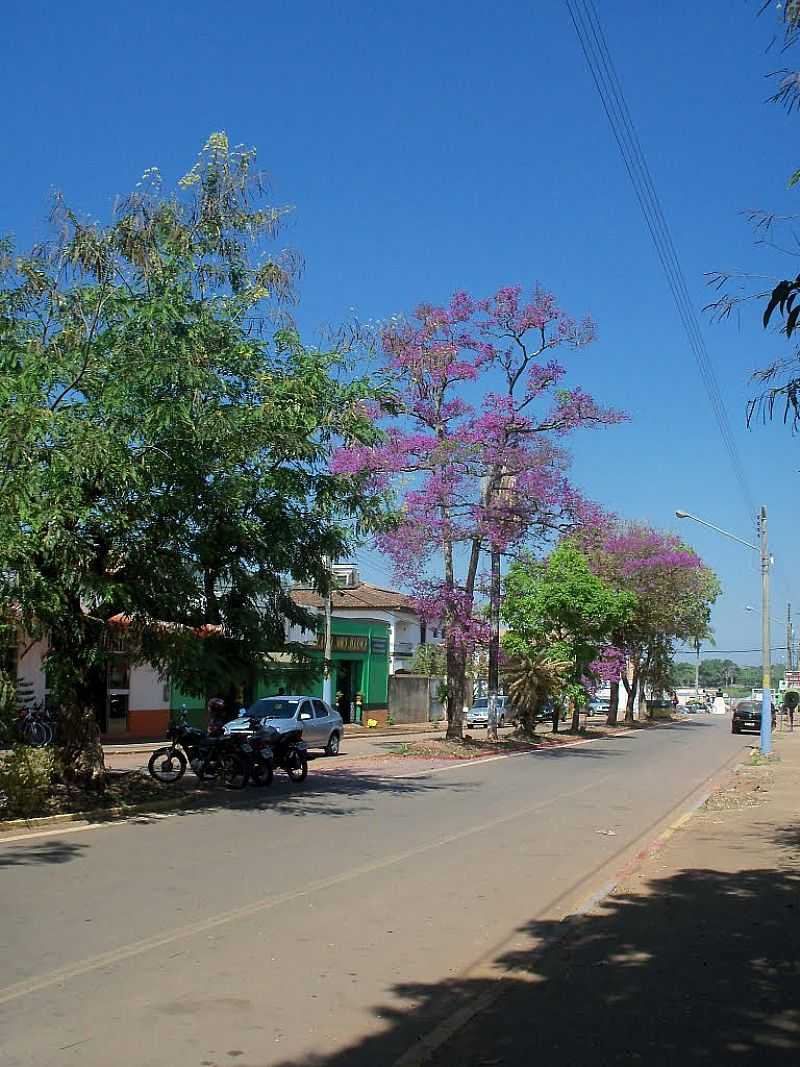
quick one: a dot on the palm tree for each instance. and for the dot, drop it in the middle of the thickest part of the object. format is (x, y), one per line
(529, 680)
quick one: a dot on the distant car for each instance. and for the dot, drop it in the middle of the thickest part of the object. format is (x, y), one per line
(322, 726)
(478, 714)
(597, 706)
(695, 707)
(747, 716)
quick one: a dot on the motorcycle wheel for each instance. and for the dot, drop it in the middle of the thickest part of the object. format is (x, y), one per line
(35, 734)
(297, 767)
(234, 771)
(261, 774)
(210, 769)
(167, 765)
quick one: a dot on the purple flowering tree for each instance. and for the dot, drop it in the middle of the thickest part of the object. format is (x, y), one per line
(674, 592)
(474, 451)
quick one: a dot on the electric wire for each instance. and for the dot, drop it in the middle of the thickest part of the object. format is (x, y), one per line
(592, 39)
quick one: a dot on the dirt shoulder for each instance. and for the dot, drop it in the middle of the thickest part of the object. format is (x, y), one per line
(693, 958)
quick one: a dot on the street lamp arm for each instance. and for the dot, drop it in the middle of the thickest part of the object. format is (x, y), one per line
(711, 526)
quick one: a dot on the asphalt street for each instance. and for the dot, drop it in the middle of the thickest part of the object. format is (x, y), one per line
(293, 926)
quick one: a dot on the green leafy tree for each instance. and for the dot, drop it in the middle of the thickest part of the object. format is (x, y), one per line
(681, 675)
(164, 445)
(560, 605)
(430, 660)
(674, 593)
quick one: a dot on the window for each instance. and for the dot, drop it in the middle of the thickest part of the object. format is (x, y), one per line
(273, 708)
(320, 711)
(8, 659)
(306, 711)
(119, 672)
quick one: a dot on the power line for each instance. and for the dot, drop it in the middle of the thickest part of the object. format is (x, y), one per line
(722, 651)
(601, 66)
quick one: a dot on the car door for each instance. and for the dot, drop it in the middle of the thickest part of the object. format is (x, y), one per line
(323, 721)
(305, 720)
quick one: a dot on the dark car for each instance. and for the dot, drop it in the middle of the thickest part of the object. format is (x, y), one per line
(747, 716)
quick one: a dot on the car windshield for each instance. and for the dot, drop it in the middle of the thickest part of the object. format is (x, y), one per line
(274, 708)
(482, 703)
(747, 708)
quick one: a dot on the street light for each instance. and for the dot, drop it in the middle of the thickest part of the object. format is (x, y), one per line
(766, 680)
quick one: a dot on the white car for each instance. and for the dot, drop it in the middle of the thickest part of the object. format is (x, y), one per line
(322, 726)
(478, 714)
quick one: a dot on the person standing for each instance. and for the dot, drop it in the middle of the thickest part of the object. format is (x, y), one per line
(217, 716)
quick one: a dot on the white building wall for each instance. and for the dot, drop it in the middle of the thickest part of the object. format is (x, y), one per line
(404, 631)
(149, 691)
(30, 667)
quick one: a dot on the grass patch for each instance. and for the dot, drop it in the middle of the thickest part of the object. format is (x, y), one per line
(475, 748)
(123, 789)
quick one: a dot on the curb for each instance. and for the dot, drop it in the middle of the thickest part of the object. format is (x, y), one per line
(96, 817)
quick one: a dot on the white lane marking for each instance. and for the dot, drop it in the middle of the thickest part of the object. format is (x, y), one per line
(110, 824)
(167, 937)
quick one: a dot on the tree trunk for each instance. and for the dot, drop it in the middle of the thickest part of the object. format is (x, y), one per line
(642, 702)
(456, 686)
(78, 753)
(575, 725)
(556, 717)
(631, 690)
(613, 705)
(80, 680)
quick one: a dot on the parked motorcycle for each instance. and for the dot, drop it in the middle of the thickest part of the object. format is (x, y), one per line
(210, 758)
(289, 750)
(260, 757)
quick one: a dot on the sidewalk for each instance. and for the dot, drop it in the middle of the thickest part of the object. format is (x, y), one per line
(694, 959)
(351, 733)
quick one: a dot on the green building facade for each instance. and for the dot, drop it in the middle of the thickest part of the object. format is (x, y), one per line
(360, 657)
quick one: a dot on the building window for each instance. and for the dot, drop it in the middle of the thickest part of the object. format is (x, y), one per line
(118, 692)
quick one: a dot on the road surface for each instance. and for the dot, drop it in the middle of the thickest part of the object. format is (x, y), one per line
(315, 924)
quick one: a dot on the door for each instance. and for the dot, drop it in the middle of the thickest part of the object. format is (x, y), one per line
(117, 694)
(305, 720)
(323, 721)
(344, 693)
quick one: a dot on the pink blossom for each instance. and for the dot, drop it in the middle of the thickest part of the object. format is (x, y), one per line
(477, 474)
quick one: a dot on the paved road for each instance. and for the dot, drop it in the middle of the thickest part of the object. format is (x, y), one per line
(287, 928)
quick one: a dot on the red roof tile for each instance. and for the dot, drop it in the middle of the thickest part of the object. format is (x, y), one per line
(359, 597)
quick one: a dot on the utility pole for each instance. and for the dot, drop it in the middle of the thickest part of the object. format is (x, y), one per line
(766, 667)
(327, 683)
(495, 491)
(494, 641)
(789, 638)
(697, 670)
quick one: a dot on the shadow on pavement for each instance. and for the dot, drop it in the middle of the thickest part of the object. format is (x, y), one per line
(336, 793)
(700, 968)
(40, 854)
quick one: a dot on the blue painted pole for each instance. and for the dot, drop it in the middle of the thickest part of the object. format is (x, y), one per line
(766, 666)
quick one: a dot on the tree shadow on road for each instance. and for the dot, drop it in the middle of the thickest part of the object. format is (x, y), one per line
(335, 793)
(22, 855)
(699, 968)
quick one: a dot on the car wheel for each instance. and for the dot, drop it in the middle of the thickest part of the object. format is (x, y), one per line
(332, 747)
(735, 729)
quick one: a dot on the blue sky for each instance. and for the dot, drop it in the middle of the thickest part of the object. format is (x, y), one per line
(430, 147)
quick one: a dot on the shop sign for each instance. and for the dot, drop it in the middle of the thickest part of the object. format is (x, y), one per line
(344, 643)
(350, 643)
